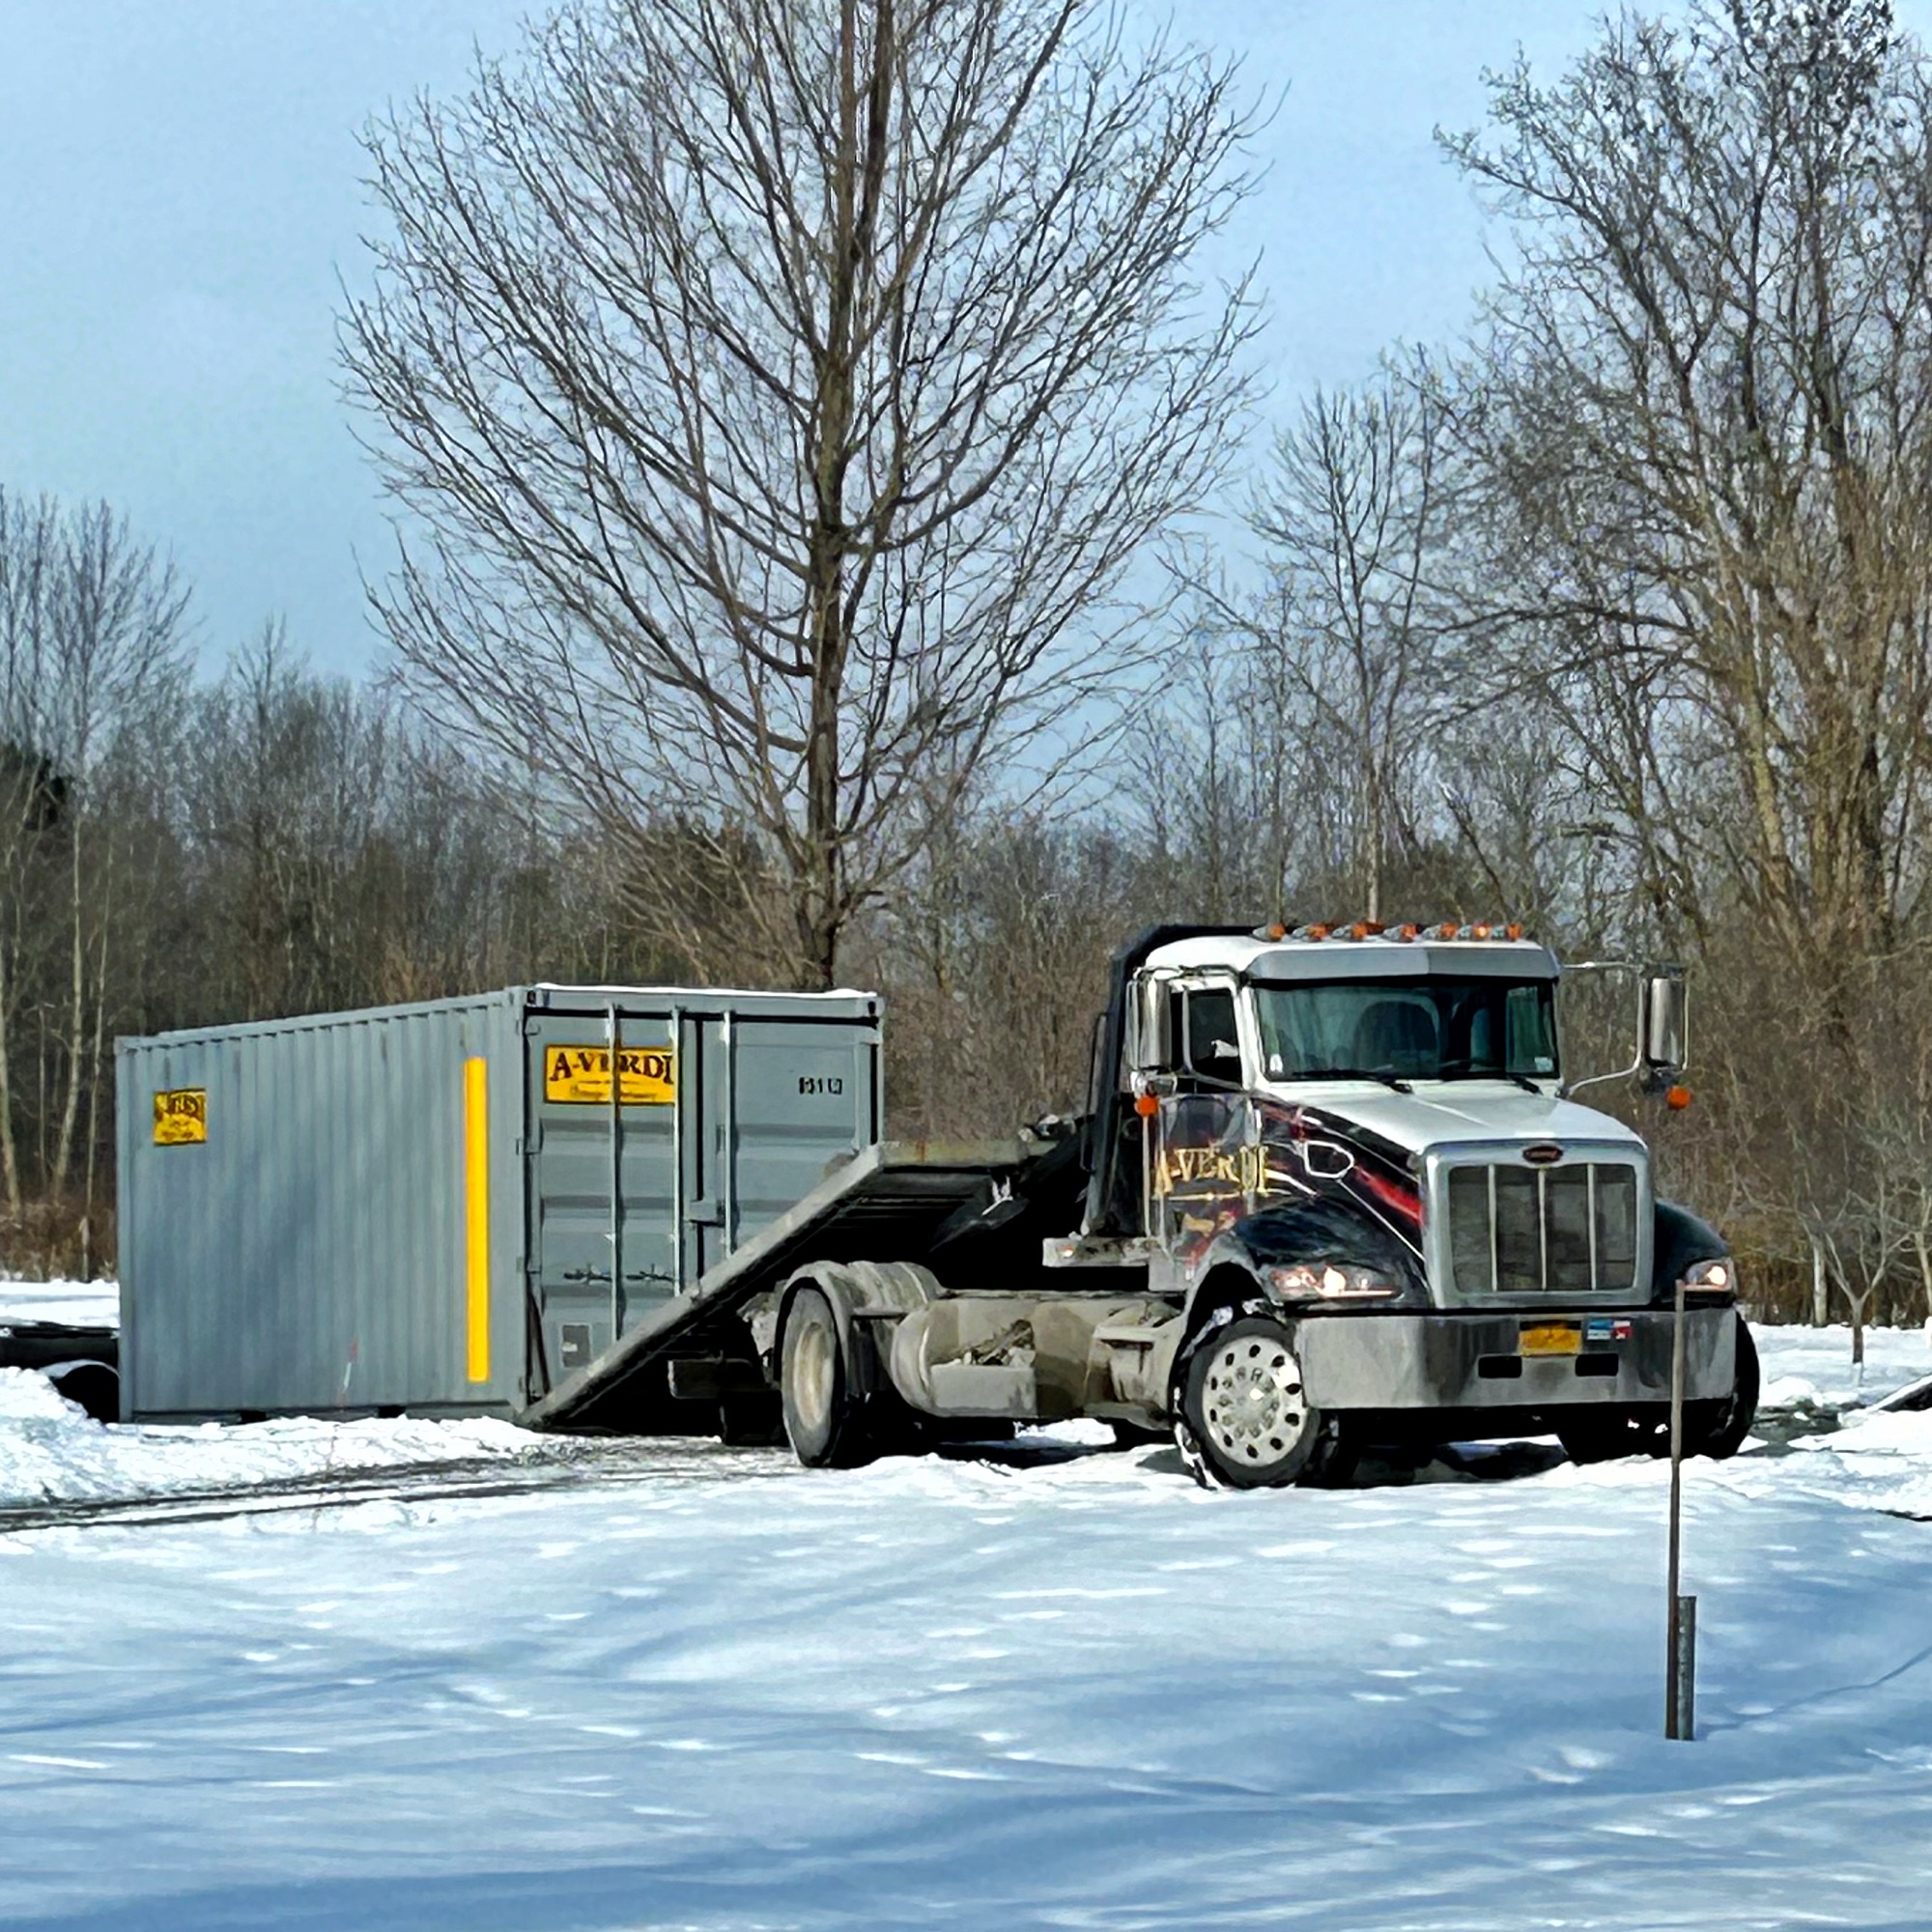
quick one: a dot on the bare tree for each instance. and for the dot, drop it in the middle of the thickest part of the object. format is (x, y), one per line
(1350, 517)
(1697, 411)
(775, 391)
(1704, 401)
(91, 641)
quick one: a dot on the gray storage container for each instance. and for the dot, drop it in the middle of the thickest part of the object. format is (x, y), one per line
(412, 1208)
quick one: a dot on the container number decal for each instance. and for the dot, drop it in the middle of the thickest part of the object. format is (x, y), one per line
(580, 1076)
(180, 1117)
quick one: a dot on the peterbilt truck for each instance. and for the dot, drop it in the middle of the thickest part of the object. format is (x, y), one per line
(1330, 1191)
(1333, 1193)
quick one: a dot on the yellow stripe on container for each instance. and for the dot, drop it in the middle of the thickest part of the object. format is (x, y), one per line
(477, 1210)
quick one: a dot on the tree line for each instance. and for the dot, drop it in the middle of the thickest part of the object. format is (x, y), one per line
(837, 544)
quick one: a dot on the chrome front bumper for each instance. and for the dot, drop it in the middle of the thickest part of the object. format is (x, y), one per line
(1359, 1360)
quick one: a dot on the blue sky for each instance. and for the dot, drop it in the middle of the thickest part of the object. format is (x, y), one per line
(179, 193)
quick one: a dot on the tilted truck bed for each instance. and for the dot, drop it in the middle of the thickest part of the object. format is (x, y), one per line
(886, 1204)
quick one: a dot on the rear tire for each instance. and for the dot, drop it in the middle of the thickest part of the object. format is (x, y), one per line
(821, 1419)
(1245, 1422)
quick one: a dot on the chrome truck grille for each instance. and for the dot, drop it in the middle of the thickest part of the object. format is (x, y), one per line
(1516, 1229)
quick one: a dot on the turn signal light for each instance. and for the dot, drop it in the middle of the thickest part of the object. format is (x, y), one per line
(1676, 1099)
(1146, 1106)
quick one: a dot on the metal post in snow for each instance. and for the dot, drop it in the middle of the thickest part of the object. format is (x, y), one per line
(1680, 1668)
(675, 1042)
(616, 1026)
(730, 1149)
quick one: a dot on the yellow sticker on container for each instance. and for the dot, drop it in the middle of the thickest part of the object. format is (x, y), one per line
(580, 1076)
(180, 1117)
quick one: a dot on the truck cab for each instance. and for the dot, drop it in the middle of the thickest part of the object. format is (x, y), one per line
(1331, 1191)
(1349, 1153)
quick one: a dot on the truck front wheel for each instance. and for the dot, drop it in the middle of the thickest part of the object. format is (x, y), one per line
(821, 1417)
(1245, 1419)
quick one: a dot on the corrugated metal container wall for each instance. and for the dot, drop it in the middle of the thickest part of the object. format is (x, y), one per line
(364, 1211)
(298, 1238)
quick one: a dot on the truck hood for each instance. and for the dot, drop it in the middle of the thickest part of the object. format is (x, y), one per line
(1440, 1111)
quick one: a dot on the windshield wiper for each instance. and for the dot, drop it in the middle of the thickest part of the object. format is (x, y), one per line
(1467, 1072)
(1388, 1079)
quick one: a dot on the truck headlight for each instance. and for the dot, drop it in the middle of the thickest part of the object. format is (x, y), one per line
(1331, 1281)
(1716, 1277)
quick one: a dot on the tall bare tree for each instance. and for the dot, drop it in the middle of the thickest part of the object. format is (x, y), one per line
(1350, 514)
(1706, 393)
(776, 390)
(92, 642)
(1701, 404)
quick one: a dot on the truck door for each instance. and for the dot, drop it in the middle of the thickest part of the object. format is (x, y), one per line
(1205, 1161)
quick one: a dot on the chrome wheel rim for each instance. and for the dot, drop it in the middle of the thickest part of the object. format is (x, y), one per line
(811, 1372)
(1252, 1402)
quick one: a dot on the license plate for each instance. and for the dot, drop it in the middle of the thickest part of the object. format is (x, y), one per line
(1551, 1338)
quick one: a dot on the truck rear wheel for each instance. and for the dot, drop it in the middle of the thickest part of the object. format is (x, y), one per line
(1245, 1420)
(815, 1387)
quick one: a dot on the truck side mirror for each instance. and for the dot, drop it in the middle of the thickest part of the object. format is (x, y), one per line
(1149, 1049)
(1664, 1019)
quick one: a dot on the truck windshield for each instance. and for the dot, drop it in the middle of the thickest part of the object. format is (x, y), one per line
(1423, 1029)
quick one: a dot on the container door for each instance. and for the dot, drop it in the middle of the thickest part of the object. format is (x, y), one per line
(596, 1267)
(794, 1100)
(723, 1124)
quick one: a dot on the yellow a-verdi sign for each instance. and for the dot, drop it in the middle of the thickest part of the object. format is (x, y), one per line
(180, 1117)
(580, 1076)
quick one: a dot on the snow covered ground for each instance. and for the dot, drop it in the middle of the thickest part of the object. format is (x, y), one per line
(90, 1304)
(1815, 1364)
(962, 1694)
(50, 1451)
